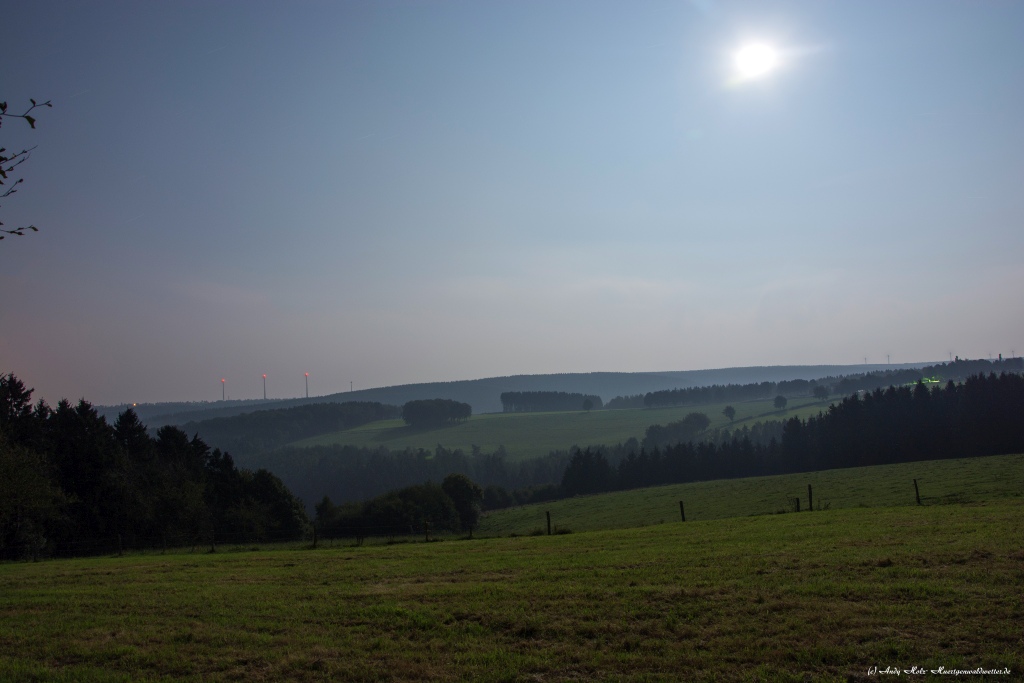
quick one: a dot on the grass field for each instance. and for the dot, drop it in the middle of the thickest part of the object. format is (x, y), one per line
(529, 435)
(823, 597)
(939, 481)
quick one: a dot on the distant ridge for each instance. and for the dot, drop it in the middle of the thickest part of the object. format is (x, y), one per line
(484, 394)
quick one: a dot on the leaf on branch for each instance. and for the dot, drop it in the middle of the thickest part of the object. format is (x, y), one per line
(31, 121)
(32, 101)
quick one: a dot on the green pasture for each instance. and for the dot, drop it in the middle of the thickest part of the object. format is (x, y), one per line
(823, 597)
(965, 480)
(529, 435)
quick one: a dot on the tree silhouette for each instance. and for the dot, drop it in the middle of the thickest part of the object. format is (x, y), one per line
(780, 402)
(9, 161)
(680, 431)
(539, 401)
(72, 483)
(729, 412)
(435, 412)
(467, 496)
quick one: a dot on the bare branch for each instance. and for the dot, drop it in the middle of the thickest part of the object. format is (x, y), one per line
(20, 232)
(9, 162)
(18, 158)
(29, 119)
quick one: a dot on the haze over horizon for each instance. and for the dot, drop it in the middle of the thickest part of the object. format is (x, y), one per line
(393, 192)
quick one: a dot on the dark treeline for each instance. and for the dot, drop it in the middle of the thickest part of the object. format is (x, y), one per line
(435, 412)
(694, 428)
(962, 368)
(620, 402)
(681, 431)
(354, 473)
(547, 401)
(870, 381)
(759, 433)
(265, 430)
(720, 393)
(823, 387)
(72, 484)
(981, 416)
(395, 513)
(956, 370)
(453, 506)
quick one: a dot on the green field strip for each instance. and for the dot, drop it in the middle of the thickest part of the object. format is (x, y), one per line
(528, 435)
(939, 481)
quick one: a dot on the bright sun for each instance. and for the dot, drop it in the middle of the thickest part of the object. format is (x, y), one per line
(755, 60)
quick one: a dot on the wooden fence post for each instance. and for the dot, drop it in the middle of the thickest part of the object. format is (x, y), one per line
(682, 511)
(797, 499)
(549, 522)
(917, 494)
(426, 531)
(314, 535)
(810, 499)
(120, 547)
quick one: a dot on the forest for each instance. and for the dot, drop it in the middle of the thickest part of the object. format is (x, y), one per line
(547, 401)
(824, 387)
(436, 412)
(72, 484)
(981, 416)
(264, 430)
(454, 505)
(356, 473)
(687, 429)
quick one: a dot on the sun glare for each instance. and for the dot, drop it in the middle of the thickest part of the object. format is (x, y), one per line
(756, 60)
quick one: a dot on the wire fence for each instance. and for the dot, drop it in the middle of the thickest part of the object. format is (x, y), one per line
(40, 547)
(36, 547)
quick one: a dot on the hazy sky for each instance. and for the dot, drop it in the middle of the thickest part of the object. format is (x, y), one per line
(387, 193)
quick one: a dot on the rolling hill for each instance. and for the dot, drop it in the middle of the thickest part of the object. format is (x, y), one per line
(530, 435)
(961, 480)
(484, 394)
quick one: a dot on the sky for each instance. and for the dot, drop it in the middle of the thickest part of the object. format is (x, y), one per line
(394, 192)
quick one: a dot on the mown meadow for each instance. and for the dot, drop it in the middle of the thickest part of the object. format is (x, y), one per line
(964, 480)
(528, 435)
(819, 596)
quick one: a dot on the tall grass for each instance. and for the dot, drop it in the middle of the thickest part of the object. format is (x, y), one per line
(822, 597)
